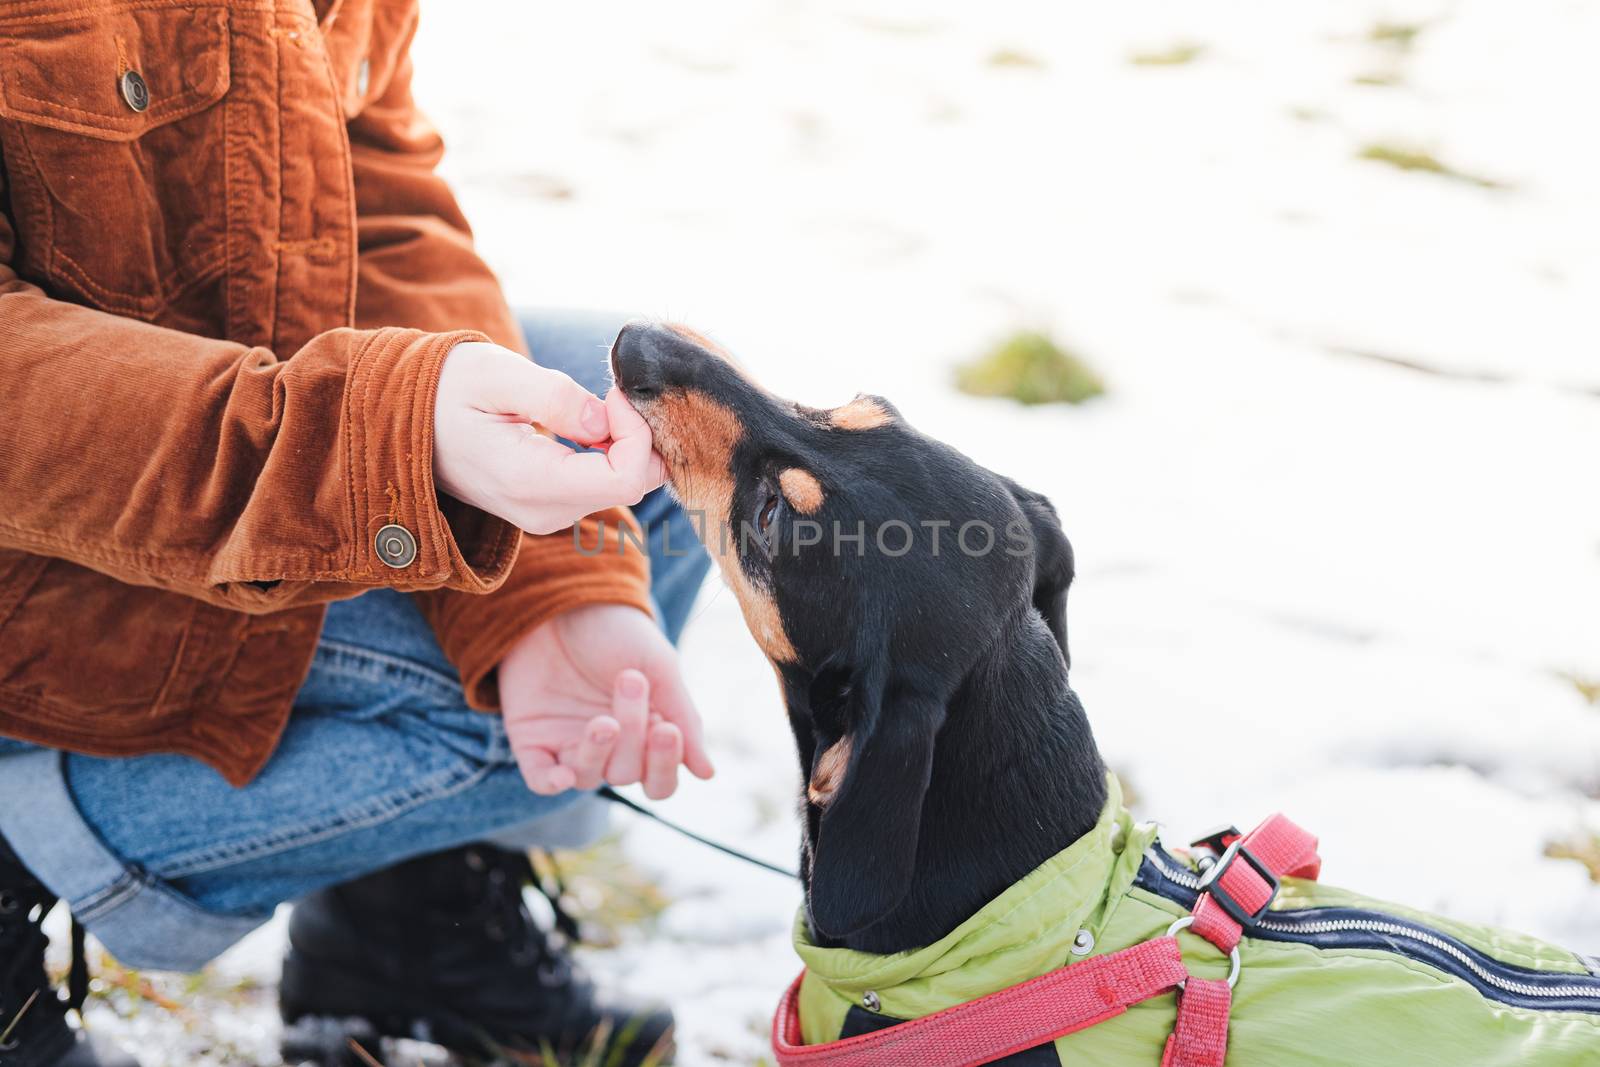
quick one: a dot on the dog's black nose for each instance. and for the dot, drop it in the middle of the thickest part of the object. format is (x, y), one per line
(637, 361)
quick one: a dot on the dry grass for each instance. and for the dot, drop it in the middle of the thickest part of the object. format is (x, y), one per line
(1175, 55)
(362, 1054)
(1397, 35)
(603, 890)
(16, 1019)
(1582, 847)
(1417, 160)
(1015, 59)
(1588, 688)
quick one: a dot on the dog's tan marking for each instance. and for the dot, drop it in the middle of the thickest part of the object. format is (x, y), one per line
(801, 489)
(696, 437)
(829, 772)
(862, 413)
(760, 614)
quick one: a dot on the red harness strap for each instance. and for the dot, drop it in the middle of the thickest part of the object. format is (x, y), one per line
(1278, 845)
(1200, 1036)
(1014, 1019)
(1077, 996)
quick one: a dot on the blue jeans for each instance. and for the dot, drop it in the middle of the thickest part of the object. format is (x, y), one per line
(382, 760)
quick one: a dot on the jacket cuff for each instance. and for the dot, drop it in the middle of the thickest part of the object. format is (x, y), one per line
(592, 563)
(389, 408)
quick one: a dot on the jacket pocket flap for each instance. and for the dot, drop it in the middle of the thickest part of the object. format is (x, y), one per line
(69, 74)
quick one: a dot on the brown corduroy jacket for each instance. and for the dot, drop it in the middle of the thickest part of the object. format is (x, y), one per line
(228, 278)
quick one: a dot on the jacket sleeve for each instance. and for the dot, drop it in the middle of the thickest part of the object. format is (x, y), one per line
(221, 471)
(418, 268)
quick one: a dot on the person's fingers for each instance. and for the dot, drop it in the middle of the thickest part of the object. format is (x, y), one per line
(622, 474)
(541, 771)
(673, 703)
(587, 760)
(631, 434)
(626, 469)
(662, 756)
(625, 418)
(630, 706)
(554, 401)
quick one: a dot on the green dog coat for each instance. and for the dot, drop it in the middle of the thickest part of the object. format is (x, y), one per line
(1327, 977)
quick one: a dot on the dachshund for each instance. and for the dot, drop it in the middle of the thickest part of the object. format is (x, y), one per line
(913, 607)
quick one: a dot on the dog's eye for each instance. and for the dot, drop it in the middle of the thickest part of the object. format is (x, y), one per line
(769, 511)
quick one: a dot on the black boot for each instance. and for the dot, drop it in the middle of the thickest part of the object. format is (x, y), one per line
(442, 949)
(33, 1019)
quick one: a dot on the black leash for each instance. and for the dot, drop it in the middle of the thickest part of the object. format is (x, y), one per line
(617, 798)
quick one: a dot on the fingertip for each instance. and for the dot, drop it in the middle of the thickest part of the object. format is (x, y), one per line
(632, 685)
(550, 781)
(560, 404)
(697, 761)
(661, 771)
(595, 420)
(620, 410)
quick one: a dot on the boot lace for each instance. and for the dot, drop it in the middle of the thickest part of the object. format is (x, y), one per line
(507, 918)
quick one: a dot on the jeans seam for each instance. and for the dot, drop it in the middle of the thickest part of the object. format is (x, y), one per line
(341, 656)
(375, 812)
(122, 922)
(106, 898)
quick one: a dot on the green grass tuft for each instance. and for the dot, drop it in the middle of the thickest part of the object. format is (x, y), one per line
(1030, 368)
(1400, 35)
(1423, 162)
(1174, 56)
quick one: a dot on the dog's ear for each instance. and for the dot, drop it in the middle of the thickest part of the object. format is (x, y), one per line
(1052, 561)
(872, 783)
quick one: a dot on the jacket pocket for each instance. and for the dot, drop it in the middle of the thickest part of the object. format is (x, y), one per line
(114, 144)
(82, 644)
(18, 572)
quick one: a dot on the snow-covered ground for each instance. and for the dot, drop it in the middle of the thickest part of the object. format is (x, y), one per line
(1339, 507)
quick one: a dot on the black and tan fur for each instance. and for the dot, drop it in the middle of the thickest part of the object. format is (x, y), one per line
(944, 753)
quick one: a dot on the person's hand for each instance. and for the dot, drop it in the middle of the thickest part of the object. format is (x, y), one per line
(595, 695)
(487, 453)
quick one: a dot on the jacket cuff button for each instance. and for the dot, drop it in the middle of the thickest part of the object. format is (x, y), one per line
(396, 546)
(135, 93)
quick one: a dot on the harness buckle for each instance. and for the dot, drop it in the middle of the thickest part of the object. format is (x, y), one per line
(1212, 844)
(1211, 882)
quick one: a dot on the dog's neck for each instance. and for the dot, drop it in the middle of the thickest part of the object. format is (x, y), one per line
(1016, 779)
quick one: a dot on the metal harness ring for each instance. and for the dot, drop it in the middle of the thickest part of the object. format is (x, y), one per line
(1186, 921)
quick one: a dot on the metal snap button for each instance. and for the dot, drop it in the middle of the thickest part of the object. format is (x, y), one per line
(134, 90)
(396, 547)
(363, 77)
(870, 1001)
(1082, 943)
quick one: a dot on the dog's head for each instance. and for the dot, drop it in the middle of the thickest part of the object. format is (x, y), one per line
(876, 568)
